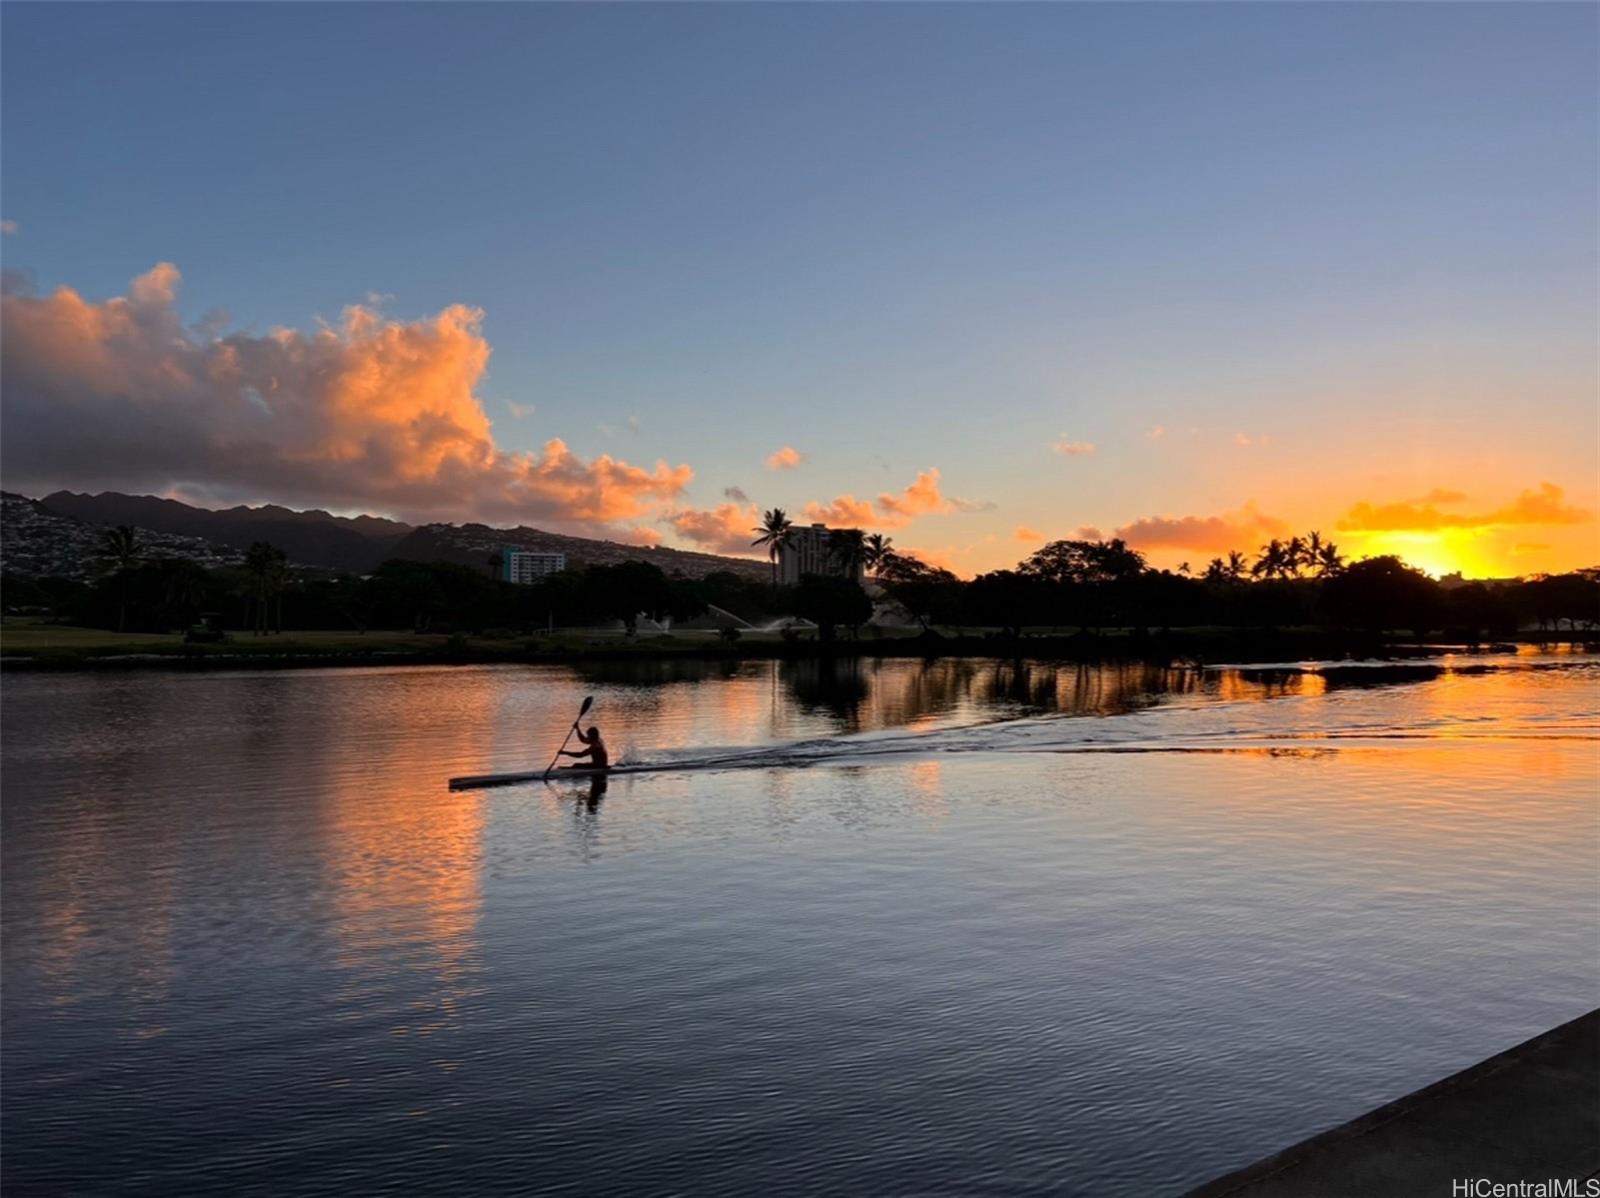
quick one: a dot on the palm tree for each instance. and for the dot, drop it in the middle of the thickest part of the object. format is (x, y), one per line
(876, 552)
(1271, 562)
(1216, 570)
(1329, 560)
(268, 569)
(497, 564)
(183, 588)
(1236, 565)
(848, 547)
(1294, 556)
(1313, 547)
(121, 547)
(775, 528)
(279, 579)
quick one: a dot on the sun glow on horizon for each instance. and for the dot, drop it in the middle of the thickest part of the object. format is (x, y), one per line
(1434, 553)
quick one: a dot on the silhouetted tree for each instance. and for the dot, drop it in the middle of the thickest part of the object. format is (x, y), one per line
(1382, 592)
(926, 592)
(875, 550)
(184, 588)
(775, 530)
(1552, 598)
(1473, 609)
(828, 601)
(1273, 561)
(1006, 599)
(1329, 561)
(267, 568)
(1312, 550)
(1294, 557)
(848, 548)
(1084, 562)
(121, 548)
(630, 589)
(1089, 578)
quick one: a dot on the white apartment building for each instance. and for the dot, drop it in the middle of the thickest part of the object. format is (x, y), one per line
(808, 552)
(526, 567)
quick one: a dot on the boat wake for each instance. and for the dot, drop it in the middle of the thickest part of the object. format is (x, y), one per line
(1533, 701)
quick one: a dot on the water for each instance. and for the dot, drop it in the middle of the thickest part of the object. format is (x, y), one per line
(963, 927)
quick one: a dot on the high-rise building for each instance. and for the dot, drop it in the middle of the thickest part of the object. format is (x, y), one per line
(810, 549)
(526, 567)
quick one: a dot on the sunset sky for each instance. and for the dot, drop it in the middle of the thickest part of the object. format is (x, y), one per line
(975, 276)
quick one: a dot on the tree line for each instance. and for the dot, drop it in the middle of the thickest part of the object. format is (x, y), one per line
(1065, 586)
(1095, 585)
(1298, 581)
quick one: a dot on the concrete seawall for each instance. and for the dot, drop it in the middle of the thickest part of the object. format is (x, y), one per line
(1530, 1113)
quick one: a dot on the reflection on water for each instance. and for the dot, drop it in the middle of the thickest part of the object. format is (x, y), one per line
(810, 696)
(1037, 925)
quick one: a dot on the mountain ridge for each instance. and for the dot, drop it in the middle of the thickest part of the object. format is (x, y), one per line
(359, 544)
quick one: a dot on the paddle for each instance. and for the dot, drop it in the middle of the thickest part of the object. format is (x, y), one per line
(582, 711)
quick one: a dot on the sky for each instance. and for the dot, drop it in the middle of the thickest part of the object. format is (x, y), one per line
(974, 276)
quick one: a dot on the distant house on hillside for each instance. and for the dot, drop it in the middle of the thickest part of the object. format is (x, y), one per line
(811, 549)
(527, 567)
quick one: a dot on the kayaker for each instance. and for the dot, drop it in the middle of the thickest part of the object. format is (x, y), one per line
(599, 759)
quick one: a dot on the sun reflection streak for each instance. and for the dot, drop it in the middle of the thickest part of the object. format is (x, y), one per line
(402, 862)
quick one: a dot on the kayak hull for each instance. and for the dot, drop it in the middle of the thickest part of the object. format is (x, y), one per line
(485, 781)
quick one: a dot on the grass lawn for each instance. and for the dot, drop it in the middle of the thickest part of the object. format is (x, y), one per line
(21, 634)
(59, 644)
(25, 636)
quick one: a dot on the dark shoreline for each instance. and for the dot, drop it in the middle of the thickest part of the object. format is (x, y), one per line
(1177, 648)
(1532, 1111)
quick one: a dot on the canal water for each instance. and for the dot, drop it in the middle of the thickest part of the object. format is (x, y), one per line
(948, 927)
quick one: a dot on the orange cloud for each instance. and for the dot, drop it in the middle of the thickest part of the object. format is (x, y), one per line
(786, 458)
(846, 512)
(923, 497)
(1027, 535)
(1544, 505)
(1231, 530)
(373, 413)
(1073, 449)
(939, 559)
(726, 528)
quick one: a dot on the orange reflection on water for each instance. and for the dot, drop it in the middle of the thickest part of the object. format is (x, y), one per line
(927, 788)
(403, 857)
(1234, 685)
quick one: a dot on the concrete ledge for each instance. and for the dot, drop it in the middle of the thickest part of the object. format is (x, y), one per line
(1530, 1113)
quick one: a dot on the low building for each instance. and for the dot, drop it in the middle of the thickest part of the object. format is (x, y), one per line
(526, 567)
(811, 549)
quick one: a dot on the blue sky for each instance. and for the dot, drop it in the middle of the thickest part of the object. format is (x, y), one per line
(893, 237)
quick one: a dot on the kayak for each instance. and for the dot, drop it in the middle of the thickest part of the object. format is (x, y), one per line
(482, 781)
